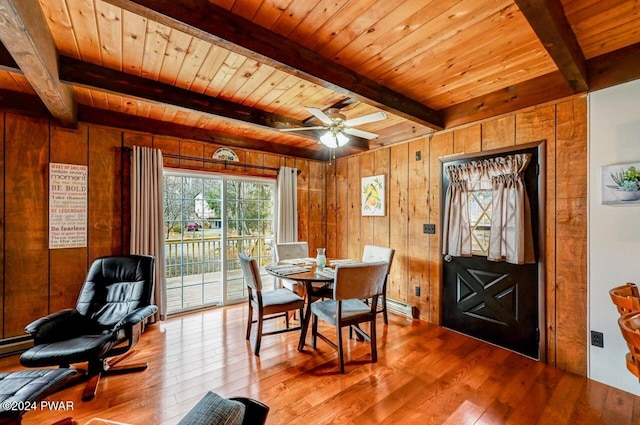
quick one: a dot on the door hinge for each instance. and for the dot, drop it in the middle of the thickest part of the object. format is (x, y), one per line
(537, 169)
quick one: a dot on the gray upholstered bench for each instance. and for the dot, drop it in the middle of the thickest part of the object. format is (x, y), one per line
(21, 390)
(215, 410)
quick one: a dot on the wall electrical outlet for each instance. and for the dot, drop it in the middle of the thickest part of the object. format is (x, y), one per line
(597, 339)
(417, 291)
(429, 229)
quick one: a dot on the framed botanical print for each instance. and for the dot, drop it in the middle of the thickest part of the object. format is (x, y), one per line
(621, 184)
(373, 196)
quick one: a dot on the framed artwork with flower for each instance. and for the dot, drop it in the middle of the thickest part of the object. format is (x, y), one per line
(373, 196)
(621, 184)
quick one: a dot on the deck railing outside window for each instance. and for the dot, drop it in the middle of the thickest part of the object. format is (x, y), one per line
(208, 222)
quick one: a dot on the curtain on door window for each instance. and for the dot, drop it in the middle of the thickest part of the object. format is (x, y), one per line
(510, 236)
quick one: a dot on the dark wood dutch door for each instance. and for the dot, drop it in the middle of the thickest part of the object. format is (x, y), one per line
(494, 301)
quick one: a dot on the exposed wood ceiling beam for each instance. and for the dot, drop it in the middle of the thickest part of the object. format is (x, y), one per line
(120, 120)
(25, 33)
(218, 26)
(548, 21)
(604, 71)
(104, 79)
(529, 93)
(92, 76)
(22, 103)
(399, 133)
(96, 77)
(617, 67)
(28, 104)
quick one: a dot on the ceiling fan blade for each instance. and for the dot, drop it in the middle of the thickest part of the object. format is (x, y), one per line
(318, 113)
(376, 116)
(315, 127)
(360, 133)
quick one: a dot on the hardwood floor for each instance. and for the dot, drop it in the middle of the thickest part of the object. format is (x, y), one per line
(425, 375)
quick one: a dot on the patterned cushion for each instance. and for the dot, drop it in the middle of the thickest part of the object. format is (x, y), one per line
(215, 410)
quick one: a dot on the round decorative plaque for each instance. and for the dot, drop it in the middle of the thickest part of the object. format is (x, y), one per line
(225, 154)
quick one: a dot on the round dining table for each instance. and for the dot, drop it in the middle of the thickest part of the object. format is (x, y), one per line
(315, 286)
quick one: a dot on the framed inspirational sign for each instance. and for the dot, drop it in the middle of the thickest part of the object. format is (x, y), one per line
(67, 206)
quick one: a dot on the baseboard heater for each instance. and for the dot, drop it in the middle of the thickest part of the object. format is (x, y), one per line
(400, 308)
(15, 345)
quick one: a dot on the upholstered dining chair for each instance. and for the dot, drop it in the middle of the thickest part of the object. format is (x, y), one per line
(267, 304)
(625, 298)
(374, 253)
(630, 327)
(109, 317)
(288, 251)
(352, 284)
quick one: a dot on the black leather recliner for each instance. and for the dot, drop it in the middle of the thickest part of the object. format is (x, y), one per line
(110, 314)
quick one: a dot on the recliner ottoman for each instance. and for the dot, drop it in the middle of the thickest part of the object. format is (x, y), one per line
(20, 391)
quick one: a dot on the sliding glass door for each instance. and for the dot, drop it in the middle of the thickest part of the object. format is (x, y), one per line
(209, 220)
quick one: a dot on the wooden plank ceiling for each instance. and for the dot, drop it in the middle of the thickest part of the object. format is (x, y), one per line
(234, 72)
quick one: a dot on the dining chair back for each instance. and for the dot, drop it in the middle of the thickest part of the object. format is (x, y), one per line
(289, 251)
(374, 253)
(625, 298)
(352, 284)
(267, 304)
(630, 327)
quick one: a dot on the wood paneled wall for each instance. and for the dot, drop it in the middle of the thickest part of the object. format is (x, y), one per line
(36, 280)
(413, 198)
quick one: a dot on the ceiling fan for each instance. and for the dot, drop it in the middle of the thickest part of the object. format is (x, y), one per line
(338, 126)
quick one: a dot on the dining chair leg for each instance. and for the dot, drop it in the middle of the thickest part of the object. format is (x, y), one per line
(250, 321)
(291, 315)
(258, 335)
(340, 351)
(374, 344)
(384, 309)
(314, 331)
(383, 295)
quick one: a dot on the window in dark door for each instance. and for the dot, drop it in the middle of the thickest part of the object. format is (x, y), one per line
(497, 302)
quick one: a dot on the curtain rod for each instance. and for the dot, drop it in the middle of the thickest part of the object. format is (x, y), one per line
(216, 161)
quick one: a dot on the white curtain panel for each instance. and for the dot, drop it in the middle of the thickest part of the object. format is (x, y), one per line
(510, 237)
(147, 234)
(287, 211)
(456, 232)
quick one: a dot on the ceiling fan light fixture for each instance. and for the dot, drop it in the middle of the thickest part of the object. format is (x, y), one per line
(333, 139)
(342, 139)
(329, 140)
(337, 126)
